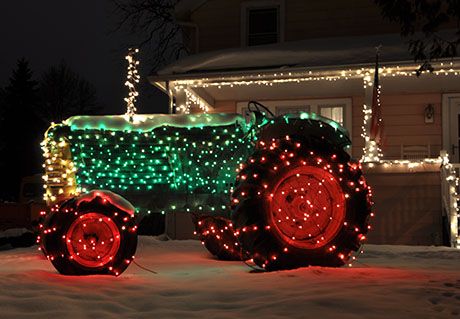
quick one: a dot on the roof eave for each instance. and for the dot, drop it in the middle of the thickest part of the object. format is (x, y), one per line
(154, 79)
(161, 85)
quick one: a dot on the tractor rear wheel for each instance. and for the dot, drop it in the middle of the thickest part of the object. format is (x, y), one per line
(299, 203)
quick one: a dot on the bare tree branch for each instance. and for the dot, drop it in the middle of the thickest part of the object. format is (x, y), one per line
(154, 26)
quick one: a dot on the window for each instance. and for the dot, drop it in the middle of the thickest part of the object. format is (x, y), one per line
(262, 22)
(245, 112)
(280, 110)
(334, 113)
(262, 26)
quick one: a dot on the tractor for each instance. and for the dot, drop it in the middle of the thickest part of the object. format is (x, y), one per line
(280, 191)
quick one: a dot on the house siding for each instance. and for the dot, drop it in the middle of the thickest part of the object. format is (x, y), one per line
(219, 21)
(404, 123)
(334, 18)
(219, 25)
(224, 107)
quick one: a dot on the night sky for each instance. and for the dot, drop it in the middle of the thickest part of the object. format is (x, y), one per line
(78, 32)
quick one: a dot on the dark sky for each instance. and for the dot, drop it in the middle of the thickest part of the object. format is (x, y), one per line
(78, 32)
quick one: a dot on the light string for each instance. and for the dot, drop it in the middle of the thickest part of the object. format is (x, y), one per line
(441, 69)
(59, 168)
(371, 149)
(126, 161)
(132, 78)
(451, 179)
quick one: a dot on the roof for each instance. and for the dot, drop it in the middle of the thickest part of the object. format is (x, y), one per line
(340, 51)
(185, 7)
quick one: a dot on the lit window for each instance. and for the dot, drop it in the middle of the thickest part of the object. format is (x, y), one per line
(334, 113)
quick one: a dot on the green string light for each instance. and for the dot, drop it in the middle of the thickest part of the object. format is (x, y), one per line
(192, 161)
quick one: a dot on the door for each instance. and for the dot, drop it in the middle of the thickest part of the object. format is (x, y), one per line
(454, 129)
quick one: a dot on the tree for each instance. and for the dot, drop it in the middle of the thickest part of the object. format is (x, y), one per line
(153, 23)
(64, 93)
(421, 22)
(21, 131)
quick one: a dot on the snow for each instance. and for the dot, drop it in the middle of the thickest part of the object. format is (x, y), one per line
(114, 199)
(148, 122)
(320, 52)
(387, 282)
(13, 232)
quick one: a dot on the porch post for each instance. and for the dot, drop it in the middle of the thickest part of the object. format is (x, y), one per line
(170, 97)
(449, 197)
(182, 105)
(371, 150)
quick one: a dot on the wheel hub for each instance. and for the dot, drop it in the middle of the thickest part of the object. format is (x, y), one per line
(307, 207)
(93, 240)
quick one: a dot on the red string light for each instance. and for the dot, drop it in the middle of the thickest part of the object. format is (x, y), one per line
(312, 210)
(92, 234)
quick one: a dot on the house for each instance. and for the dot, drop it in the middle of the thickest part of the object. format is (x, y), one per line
(319, 56)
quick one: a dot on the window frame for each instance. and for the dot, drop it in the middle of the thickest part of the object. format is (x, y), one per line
(261, 4)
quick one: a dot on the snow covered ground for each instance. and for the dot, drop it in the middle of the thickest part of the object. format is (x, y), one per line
(387, 282)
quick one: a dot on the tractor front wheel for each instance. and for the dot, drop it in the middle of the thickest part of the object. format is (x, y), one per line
(92, 234)
(218, 236)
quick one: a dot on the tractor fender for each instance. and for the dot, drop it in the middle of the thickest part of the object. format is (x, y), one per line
(114, 199)
(306, 126)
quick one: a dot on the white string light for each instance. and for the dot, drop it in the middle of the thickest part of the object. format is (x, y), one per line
(193, 99)
(451, 178)
(449, 183)
(132, 79)
(371, 149)
(59, 175)
(443, 69)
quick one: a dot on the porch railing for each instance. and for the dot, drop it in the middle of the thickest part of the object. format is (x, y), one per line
(450, 177)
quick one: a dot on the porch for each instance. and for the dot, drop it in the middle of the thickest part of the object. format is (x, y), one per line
(415, 188)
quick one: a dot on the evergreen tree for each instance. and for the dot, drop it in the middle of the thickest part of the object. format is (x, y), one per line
(21, 131)
(64, 93)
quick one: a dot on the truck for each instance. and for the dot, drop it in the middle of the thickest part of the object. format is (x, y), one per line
(281, 191)
(19, 219)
